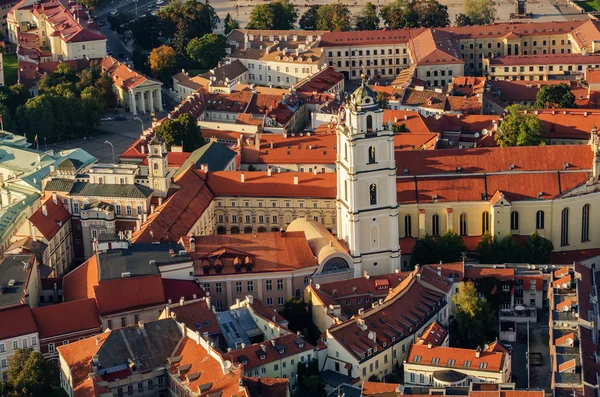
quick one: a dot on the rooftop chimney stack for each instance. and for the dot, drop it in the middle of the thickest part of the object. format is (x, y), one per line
(54, 199)
(295, 179)
(269, 171)
(242, 177)
(44, 210)
(315, 171)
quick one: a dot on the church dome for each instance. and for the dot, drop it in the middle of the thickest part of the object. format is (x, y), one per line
(364, 96)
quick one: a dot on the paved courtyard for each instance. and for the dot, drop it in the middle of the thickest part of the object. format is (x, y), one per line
(540, 375)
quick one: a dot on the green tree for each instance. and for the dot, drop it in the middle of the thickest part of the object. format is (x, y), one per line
(207, 50)
(118, 23)
(29, 375)
(400, 128)
(93, 107)
(91, 4)
(538, 250)
(276, 15)
(382, 100)
(429, 249)
(230, 24)
(367, 19)
(462, 20)
(474, 317)
(36, 117)
(308, 20)
(520, 129)
(555, 96)
(162, 59)
(311, 385)
(184, 130)
(335, 17)
(414, 14)
(450, 247)
(425, 251)
(480, 12)
(295, 311)
(148, 31)
(105, 85)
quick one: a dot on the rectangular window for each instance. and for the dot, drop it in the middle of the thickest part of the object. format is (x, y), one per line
(269, 301)
(24, 343)
(238, 286)
(123, 321)
(15, 344)
(269, 285)
(2, 348)
(280, 285)
(280, 301)
(219, 288)
(250, 286)
(51, 347)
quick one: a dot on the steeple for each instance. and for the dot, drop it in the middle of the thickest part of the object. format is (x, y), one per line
(595, 146)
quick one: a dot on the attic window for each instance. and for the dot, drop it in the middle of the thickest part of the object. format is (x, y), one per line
(417, 359)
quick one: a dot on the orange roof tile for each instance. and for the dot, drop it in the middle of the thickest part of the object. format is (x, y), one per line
(434, 334)
(50, 224)
(268, 313)
(67, 317)
(413, 121)
(204, 369)
(122, 75)
(475, 273)
(371, 388)
(565, 340)
(568, 365)
(563, 271)
(564, 304)
(16, 321)
(266, 387)
(228, 183)
(563, 280)
(463, 358)
(249, 356)
(194, 313)
(271, 251)
(176, 289)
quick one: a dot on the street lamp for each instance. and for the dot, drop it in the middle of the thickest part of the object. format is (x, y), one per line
(112, 149)
(141, 122)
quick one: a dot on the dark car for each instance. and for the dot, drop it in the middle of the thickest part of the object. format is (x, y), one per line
(522, 338)
(123, 56)
(120, 118)
(101, 23)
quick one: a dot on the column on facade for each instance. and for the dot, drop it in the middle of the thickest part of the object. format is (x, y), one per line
(449, 219)
(132, 104)
(142, 102)
(289, 286)
(259, 288)
(421, 223)
(151, 100)
(229, 293)
(159, 99)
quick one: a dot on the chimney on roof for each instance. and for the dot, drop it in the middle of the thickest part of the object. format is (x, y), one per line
(181, 301)
(97, 343)
(152, 208)
(429, 345)
(192, 244)
(478, 352)
(54, 199)
(406, 117)
(295, 179)
(242, 177)
(44, 210)
(269, 171)
(141, 324)
(315, 171)
(366, 275)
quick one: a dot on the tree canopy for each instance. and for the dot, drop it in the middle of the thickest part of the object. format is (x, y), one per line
(555, 96)
(475, 320)
(308, 20)
(414, 14)
(276, 15)
(480, 12)
(182, 131)
(429, 249)
(207, 50)
(149, 31)
(334, 17)
(367, 19)
(506, 250)
(162, 59)
(229, 24)
(29, 375)
(520, 129)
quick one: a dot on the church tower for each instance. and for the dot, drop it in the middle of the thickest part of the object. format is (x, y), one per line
(158, 167)
(367, 206)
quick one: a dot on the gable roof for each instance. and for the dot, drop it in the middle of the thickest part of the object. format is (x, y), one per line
(67, 317)
(16, 321)
(463, 358)
(197, 316)
(50, 224)
(216, 155)
(269, 351)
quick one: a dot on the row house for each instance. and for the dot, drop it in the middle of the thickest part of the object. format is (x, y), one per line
(535, 67)
(19, 331)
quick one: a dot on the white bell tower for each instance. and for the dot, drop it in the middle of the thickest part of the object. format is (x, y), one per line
(367, 205)
(158, 167)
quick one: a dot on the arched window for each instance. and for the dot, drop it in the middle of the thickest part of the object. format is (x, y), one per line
(372, 155)
(585, 223)
(297, 293)
(514, 220)
(435, 225)
(247, 230)
(462, 220)
(234, 230)
(373, 194)
(485, 222)
(155, 166)
(407, 226)
(369, 123)
(221, 230)
(564, 227)
(539, 219)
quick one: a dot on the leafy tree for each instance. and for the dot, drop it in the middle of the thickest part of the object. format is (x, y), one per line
(367, 19)
(462, 20)
(184, 130)
(295, 311)
(207, 50)
(382, 100)
(480, 12)
(105, 85)
(555, 96)
(93, 107)
(36, 116)
(162, 59)
(400, 128)
(91, 4)
(311, 385)
(429, 249)
(148, 31)
(520, 129)
(425, 251)
(29, 375)
(230, 24)
(308, 20)
(474, 317)
(335, 17)
(414, 13)
(276, 15)
(538, 249)
(118, 23)
(451, 247)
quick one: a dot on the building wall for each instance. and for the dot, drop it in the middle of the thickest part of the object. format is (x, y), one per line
(302, 167)
(439, 75)
(124, 319)
(375, 59)
(151, 384)
(549, 70)
(282, 368)
(8, 348)
(422, 374)
(48, 345)
(278, 73)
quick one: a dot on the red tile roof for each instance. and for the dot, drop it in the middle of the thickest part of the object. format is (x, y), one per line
(570, 257)
(565, 340)
(454, 271)
(563, 271)
(248, 356)
(476, 273)
(563, 280)
(413, 121)
(270, 251)
(463, 358)
(268, 313)
(434, 334)
(568, 365)
(174, 159)
(194, 313)
(527, 282)
(122, 75)
(205, 369)
(228, 183)
(175, 289)
(322, 81)
(176, 216)
(266, 387)
(112, 296)
(50, 224)
(16, 321)
(371, 388)
(66, 318)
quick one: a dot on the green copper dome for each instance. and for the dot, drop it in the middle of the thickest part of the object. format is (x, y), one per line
(363, 96)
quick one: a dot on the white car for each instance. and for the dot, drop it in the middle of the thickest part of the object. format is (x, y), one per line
(159, 2)
(114, 12)
(106, 119)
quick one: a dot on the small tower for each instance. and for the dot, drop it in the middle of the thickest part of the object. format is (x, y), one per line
(595, 146)
(158, 167)
(367, 207)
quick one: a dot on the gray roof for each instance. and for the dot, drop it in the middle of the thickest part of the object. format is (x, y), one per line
(136, 260)
(346, 390)
(60, 185)
(110, 190)
(13, 270)
(148, 347)
(70, 166)
(237, 328)
(215, 154)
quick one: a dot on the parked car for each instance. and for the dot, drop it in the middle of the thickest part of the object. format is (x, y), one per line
(120, 118)
(106, 119)
(101, 23)
(522, 338)
(114, 13)
(159, 2)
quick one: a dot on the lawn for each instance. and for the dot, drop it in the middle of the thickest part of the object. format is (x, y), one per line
(10, 65)
(589, 5)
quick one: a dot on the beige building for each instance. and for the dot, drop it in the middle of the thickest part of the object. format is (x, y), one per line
(276, 58)
(46, 31)
(535, 67)
(134, 91)
(22, 333)
(224, 78)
